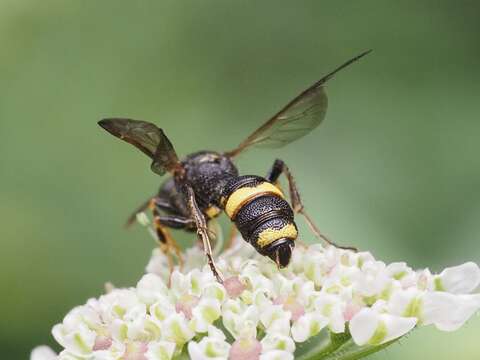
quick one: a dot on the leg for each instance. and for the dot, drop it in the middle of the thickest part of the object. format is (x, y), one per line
(280, 167)
(216, 234)
(159, 202)
(176, 221)
(202, 229)
(161, 224)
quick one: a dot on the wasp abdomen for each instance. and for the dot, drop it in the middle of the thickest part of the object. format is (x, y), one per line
(264, 220)
(262, 215)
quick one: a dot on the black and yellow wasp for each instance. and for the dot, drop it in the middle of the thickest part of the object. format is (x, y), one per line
(205, 183)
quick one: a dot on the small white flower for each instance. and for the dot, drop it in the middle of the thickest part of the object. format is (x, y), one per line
(308, 325)
(245, 348)
(448, 312)
(462, 279)
(407, 303)
(158, 265)
(161, 309)
(401, 273)
(160, 350)
(65, 355)
(175, 329)
(373, 328)
(78, 340)
(424, 280)
(211, 347)
(373, 280)
(276, 355)
(332, 308)
(43, 353)
(205, 313)
(151, 288)
(240, 319)
(277, 342)
(143, 219)
(276, 319)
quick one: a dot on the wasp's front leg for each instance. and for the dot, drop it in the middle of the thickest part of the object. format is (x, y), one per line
(202, 229)
(277, 169)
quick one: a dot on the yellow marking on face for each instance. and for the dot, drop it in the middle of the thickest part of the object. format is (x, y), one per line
(267, 236)
(212, 211)
(240, 196)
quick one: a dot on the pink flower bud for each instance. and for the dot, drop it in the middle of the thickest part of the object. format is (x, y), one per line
(136, 351)
(186, 304)
(351, 310)
(292, 305)
(102, 343)
(245, 349)
(234, 286)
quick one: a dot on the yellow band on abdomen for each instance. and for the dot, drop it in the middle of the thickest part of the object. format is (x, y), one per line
(267, 236)
(241, 196)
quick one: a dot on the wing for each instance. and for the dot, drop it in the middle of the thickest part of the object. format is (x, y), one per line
(295, 120)
(146, 137)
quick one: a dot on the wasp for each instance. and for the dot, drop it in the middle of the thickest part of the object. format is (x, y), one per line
(207, 183)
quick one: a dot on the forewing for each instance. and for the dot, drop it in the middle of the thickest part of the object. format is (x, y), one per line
(146, 137)
(296, 119)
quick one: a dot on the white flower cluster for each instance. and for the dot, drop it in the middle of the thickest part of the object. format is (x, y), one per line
(262, 312)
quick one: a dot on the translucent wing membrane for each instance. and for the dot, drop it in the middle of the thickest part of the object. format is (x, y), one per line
(294, 122)
(300, 116)
(146, 137)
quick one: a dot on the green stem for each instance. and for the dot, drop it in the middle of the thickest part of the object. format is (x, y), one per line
(350, 351)
(320, 346)
(336, 347)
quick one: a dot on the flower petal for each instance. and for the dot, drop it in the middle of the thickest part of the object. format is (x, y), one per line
(448, 312)
(175, 329)
(277, 342)
(79, 341)
(370, 327)
(205, 313)
(308, 325)
(43, 353)
(277, 355)
(208, 348)
(150, 288)
(245, 348)
(161, 350)
(462, 279)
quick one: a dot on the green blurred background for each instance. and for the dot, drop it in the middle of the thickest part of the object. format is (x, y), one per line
(394, 169)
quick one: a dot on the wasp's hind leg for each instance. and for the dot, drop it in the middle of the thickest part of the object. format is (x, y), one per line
(202, 229)
(277, 169)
